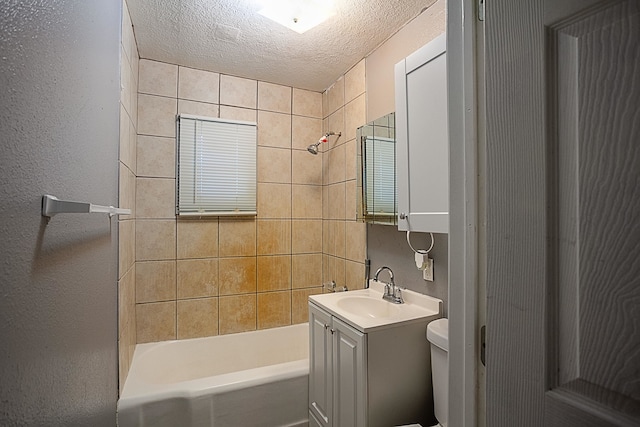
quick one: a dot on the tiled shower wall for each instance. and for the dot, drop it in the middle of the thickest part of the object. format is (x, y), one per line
(344, 239)
(217, 276)
(129, 61)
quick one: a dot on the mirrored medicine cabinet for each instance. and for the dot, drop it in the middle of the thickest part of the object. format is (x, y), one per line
(377, 196)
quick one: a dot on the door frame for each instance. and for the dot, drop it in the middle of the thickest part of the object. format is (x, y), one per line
(466, 389)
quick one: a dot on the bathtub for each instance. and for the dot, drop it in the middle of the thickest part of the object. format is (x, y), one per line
(257, 378)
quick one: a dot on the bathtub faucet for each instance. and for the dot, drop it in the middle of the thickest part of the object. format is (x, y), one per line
(391, 292)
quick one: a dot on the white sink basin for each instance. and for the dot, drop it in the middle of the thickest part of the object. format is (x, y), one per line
(368, 306)
(367, 311)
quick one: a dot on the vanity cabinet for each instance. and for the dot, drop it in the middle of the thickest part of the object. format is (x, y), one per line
(422, 141)
(357, 379)
(337, 361)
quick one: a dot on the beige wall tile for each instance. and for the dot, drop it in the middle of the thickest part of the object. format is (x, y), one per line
(238, 92)
(274, 97)
(237, 275)
(300, 304)
(306, 270)
(325, 201)
(156, 157)
(126, 306)
(274, 273)
(306, 236)
(125, 139)
(338, 271)
(197, 278)
(157, 115)
(306, 168)
(155, 281)
(235, 113)
(336, 124)
(336, 95)
(237, 237)
(351, 160)
(306, 201)
(126, 246)
(337, 201)
(354, 81)
(351, 200)
(338, 232)
(198, 85)
(155, 240)
(198, 239)
(355, 114)
(354, 275)
(274, 201)
(307, 103)
(156, 321)
(197, 318)
(356, 241)
(337, 164)
(306, 131)
(127, 191)
(126, 91)
(198, 108)
(274, 309)
(328, 245)
(237, 314)
(158, 78)
(274, 237)
(325, 104)
(132, 144)
(274, 165)
(274, 129)
(155, 198)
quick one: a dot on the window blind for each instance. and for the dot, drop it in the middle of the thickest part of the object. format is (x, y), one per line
(216, 167)
(380, 176)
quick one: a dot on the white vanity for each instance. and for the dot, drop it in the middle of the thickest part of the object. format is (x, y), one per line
(369, 358)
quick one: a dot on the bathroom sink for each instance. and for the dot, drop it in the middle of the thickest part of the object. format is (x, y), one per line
(365, 309)
(368, 306)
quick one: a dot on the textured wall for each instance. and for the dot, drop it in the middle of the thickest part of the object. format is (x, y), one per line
(59, 127)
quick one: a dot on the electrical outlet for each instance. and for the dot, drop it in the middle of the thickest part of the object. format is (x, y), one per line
(427, 273)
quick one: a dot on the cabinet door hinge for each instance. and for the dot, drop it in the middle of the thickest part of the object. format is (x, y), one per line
(481, 10)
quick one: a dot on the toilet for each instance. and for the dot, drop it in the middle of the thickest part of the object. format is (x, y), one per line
(438, 336)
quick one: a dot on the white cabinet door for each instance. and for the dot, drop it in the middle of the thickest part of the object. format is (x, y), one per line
(422, 147)
(349, 376)
(320, 366)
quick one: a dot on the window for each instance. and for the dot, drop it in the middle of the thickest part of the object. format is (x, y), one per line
(379, 176)
(216, 173)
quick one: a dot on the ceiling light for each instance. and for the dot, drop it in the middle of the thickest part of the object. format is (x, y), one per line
(298, 15)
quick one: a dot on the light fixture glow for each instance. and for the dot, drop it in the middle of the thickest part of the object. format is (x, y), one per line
(298, 15)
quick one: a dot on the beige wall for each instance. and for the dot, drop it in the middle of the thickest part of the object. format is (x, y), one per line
(129, 61)
(217, 276)
(380, 63)
(344, 239)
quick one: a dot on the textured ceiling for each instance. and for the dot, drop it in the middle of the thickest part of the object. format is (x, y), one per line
(229, 36)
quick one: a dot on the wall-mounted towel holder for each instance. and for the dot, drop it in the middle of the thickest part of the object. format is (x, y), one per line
(51, 205)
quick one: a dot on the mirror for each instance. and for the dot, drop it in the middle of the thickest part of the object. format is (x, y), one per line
(377, 200)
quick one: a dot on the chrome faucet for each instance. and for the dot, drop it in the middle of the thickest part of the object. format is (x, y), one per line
(391, 292)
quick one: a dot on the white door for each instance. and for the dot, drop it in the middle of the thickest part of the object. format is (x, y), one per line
(563, 213)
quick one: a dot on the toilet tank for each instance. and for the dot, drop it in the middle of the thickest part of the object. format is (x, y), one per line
(438, 336)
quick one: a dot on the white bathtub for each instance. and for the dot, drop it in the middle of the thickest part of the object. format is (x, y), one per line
(257, 378)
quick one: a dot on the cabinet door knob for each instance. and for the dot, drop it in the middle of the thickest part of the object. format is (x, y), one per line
(326, 326)
(403, 215)
(332, 331)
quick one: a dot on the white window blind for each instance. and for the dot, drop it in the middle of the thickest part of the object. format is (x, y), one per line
(216, 166)
(380, 176)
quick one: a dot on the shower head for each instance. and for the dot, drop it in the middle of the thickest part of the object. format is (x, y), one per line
(313, 148)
